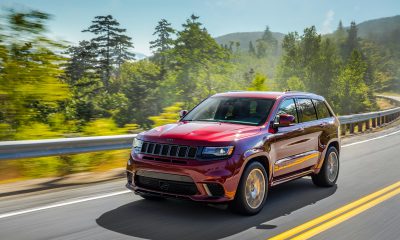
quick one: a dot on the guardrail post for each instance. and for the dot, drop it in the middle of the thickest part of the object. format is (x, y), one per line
(373, 122)
(343, 129)
(367, 125)
(360, 126)
(379, 121)
(351, 130)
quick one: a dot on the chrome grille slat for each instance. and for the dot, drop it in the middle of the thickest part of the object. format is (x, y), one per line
(168, 150)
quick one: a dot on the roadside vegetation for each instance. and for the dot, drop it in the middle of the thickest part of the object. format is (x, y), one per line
(52, 89)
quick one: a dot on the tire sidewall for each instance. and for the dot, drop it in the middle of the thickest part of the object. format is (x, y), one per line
(325, 166)
(241, 197)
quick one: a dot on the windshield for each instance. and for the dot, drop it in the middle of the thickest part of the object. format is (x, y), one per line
(248, 111)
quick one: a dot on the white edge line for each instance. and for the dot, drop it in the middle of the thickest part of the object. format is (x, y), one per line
(371, 139)
(10, 214)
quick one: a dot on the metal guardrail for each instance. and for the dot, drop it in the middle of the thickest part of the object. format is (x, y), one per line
(366, 121)
(63, 146)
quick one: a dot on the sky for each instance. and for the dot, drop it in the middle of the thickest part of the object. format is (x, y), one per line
(220, 17)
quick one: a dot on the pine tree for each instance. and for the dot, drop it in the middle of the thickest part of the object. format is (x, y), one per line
(81, 62)
(231, 45)
(252, 50)
(267, 44)
(351, 43)
(198, 58)
(237, 46)
(340, 32)
(163, 44)
(112, 45)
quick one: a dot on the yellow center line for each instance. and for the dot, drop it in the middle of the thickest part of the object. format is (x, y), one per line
(334, 213)
(346, 216)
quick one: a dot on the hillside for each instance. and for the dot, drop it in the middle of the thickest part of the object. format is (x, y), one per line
(245, 37)
(378, 27)
(375, 29)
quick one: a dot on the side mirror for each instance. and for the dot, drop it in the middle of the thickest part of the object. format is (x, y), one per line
(284, 120)
(183, 113)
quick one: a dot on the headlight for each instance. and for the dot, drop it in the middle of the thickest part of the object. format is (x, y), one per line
(217, 151)
(137, 145)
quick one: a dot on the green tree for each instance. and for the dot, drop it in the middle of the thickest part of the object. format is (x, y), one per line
(352, 41)
(267, 44)
(139, 82)
(201, 63)
(169, 115)
(30, 86)
(81, 62)
(340, 33)
(162, 45)
(252, 50)
(237, 44)
(258, 83)
(351, 90)
(295, 84)
(112, 45)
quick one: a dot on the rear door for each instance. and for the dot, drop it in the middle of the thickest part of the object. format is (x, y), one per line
(326, 123)
(295, 148)
(312, 131)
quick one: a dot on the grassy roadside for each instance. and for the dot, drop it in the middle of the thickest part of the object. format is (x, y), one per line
(58, 166)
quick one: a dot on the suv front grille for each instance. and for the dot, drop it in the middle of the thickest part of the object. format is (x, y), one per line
(168, 150)
(167, 186)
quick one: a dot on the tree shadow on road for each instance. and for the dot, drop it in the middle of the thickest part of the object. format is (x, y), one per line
(173, 219)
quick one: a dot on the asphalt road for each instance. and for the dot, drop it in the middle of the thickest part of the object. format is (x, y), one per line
(89, 212)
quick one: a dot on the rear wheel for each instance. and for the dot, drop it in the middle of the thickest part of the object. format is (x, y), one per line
(329, 172)
(252, 190)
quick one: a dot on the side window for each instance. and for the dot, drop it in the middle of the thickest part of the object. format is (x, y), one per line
(306, 109)
(288, 106)
(322, 109)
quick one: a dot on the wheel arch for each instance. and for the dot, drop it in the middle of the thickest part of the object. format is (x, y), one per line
(333, 142)
(262, 158)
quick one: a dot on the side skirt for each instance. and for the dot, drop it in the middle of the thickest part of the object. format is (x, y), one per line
(292, 176)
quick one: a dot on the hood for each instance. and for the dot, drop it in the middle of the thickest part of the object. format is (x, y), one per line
(200, 131)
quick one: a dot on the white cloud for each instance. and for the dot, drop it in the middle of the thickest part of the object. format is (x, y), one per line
(327, 24)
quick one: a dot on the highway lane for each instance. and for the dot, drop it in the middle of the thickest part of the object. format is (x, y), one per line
(365, 168)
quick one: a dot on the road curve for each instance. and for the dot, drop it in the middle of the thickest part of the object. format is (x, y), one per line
(90, 212)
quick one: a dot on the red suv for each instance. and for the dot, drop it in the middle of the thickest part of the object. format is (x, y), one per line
(234, 146)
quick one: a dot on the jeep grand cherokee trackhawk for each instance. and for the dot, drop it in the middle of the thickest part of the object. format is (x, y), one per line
(234, 146)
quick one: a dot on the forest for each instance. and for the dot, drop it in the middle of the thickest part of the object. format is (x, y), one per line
(52, 89)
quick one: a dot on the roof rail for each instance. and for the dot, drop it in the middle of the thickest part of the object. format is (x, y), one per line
(295, 91)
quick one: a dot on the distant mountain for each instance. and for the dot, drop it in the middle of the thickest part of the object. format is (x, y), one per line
(245, 37)
(378, 27)
(140, 56)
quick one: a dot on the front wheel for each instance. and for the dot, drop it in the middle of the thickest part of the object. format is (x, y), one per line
(252, 190)
(329, 172)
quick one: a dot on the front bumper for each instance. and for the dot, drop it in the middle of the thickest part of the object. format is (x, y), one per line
(205, 181)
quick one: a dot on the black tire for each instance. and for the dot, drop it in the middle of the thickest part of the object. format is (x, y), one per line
(152, 197)
(240, 204)
(323, 178)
